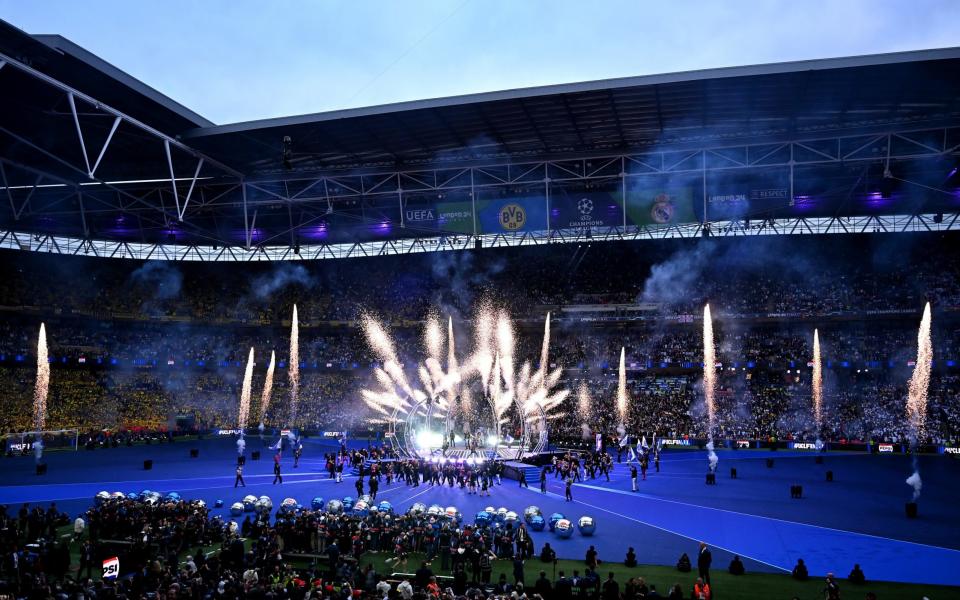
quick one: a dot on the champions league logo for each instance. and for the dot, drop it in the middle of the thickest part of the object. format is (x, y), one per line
(585, 206)
(512, 217)
(662, 209)
(584, 216)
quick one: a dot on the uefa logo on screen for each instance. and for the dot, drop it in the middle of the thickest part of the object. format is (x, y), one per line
(512, 217)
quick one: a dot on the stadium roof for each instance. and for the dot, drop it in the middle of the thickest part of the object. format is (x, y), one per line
(89, 152)
(762, 102)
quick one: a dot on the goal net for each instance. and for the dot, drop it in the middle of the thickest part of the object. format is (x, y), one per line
(22, 442)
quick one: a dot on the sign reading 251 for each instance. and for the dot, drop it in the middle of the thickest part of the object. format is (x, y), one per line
(111, 568)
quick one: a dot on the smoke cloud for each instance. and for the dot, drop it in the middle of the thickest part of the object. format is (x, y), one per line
(164, 280)
(286, 274)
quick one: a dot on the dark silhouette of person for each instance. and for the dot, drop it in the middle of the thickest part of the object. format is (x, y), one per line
(374, 486)
(611, 589)
(800, 572)
(704, 559)
(547, 554)
(518, 568)
(631, 559)
(542, 586)
(856, 575)
(564, 587)
(736, 566)
(423, 575)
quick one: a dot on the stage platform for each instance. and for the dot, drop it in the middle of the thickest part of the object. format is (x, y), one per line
(858, 518)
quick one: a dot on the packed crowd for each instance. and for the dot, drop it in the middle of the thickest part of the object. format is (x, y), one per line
(148, 345)
(759, 276)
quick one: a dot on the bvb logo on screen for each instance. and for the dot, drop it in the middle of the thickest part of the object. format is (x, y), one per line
(512, 216)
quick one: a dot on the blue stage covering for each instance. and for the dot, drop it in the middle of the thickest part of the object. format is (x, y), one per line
(858, 518)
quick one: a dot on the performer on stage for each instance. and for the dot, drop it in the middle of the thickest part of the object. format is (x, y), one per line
(239, 479)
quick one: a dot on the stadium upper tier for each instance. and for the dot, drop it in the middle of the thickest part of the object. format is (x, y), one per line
(94, 160)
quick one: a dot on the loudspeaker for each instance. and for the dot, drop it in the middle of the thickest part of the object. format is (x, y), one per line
(733, 473)
(769, 463)
(241, 460)
(829, 475)
(911, 510)
(147, 465)
(796, 491)
(194, 452)
(42, 469)
(255, 455)
(711, 479)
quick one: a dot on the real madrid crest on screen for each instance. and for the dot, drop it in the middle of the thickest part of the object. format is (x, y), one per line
(662, 209)
(512, 216)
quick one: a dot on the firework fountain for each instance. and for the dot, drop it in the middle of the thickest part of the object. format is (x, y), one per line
(40, 391)
(817, 386)
(622, 388)
(504, 385)
(244, 411)
(917, 397)
(709, 382)
(293, 368)
(267, 390)
(584, 409)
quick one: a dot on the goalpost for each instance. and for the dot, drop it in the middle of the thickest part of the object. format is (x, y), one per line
(21, 442)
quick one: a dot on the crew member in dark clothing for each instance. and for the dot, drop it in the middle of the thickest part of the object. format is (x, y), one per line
(568, 494)
(704, 558)
(542, 586)
(611, 589)
(543, 480)
(277, 477)
(373, 484)
(359, 486)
